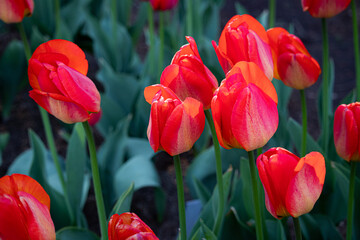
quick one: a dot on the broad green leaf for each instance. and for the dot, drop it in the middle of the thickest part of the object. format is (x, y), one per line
(4, 139)
(201, 191)
(124, 202)
(208, 233)
(327, 227)
(240, 9)
(235, 229)
(74, 15)
(136, 146)
(275, 229)
(112, 113)
(42, 17)
(74, 233)
(309, 227)
(160, 203)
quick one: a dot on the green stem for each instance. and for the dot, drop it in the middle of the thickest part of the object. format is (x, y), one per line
(24, 40)
(57, 15)
(255, 192)
(304, 122)
(189, 18)
(356, 48)
(96, 181)
(161, 35)
(220, 184)
(181, 198)
(259, 151)
(151, 39)
(350, 210)
(297, 228)
(325, 86)
(272, 14)
(114, 18)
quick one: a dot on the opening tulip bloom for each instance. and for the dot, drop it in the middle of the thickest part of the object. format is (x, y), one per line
(24, 209)
(187, 75)
(56, 73)
(244, 39)
(163, 5)
(347, 131)
(293, 64)
(129, 226)
(174, 125)
(244, 108)
(292, 185)
(324, 8)
(14, 11)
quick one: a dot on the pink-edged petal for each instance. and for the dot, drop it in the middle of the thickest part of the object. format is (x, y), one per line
(151, 91)
(60, 106)
(183, 127)
(79, 88)
(39, 222)
(254, 118)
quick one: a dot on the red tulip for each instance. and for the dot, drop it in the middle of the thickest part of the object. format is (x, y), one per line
(13, 11)
(174, 125)
(56, 73)
(293, 64)
(163, 5)
(347, 131)
(324, 8)
(292, 185)
(95, 118)
(128, 226)
(24, 209)
(187, 76)
(244, 39)
(244, 108)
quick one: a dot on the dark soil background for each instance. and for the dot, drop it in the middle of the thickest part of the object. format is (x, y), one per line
(25, 114)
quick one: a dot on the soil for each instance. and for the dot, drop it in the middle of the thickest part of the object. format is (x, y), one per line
(24, 114)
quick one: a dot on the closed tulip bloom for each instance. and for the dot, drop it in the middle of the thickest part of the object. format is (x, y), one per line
(174, 125)
(13, 11)
(56, 73)
(24, 210)
(128, 226)
(187, 75)
(347, 131)
(292, 185)
(244, 39)
(293, 64)
(244, 108)
(324, 8)
(162, 5)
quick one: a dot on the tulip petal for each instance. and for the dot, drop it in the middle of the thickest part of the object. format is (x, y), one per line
(183, 127)
(223, 60)
(152, 90)
(12, 11)
(60, 106)
(254, 118)
(273, 35)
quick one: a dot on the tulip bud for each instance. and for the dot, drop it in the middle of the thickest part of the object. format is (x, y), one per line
(292, 185)
(163, 5)
(13, 11)
(324, 8)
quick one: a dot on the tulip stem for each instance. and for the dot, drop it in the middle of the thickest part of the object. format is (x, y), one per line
(297, 228)
(189, 18)
(304, 122)
(325, 86)
(181, 197)
(96, 181)
(356, 48)
(350, 210)
(219, 172)
(255, 192)
(259, 151)
(161, 35)
(272, 14)
(151, 39)
(57, 15)
(24, 40)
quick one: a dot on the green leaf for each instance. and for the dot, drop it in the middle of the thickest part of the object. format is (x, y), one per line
(124, 202)
(74, 15)
(42, 17)
(275, 229)
(240, 9)
(327, 227)
(74, 233)
(137, 146)
(309, 227)
(201, 191)
(233, 228)
(4, 139)
(160, 203)
(208, 234)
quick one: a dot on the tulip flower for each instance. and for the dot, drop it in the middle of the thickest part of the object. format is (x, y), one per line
(24, 209)
(347, 131)
(244, 39)
(13, 11)
(293, 64)
(163, 5)
(129, 226)
(56, 73)
(244, 108)
(174, 125)
(292, 185)
(95, 118)
(187, 75)
(324, 8)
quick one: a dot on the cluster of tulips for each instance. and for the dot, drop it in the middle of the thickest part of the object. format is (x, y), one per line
(242, 113)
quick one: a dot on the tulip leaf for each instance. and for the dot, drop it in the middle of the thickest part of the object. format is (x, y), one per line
(74, 233)
(309, 227)
(207, 232)
(42, 17)
(4, 139)
(74, 15)
(327, 227)
(201, 191)
(136, 146)
(124, 202)
(160, 203)
(233, 228)
(275, 229)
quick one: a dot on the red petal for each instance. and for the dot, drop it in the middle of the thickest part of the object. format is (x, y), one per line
(152, 90)
(13, 11)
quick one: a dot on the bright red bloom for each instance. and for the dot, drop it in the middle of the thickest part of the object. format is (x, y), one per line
(324, 8)
(292, 185)
(128, 226)
(95, 118)
(244, 39)
(56, 73)
(174, 125)
(293, 64)
(347, 131)
(24, 209)
(163, 5)
(244, 108)
(13, 11)
(187, 75)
